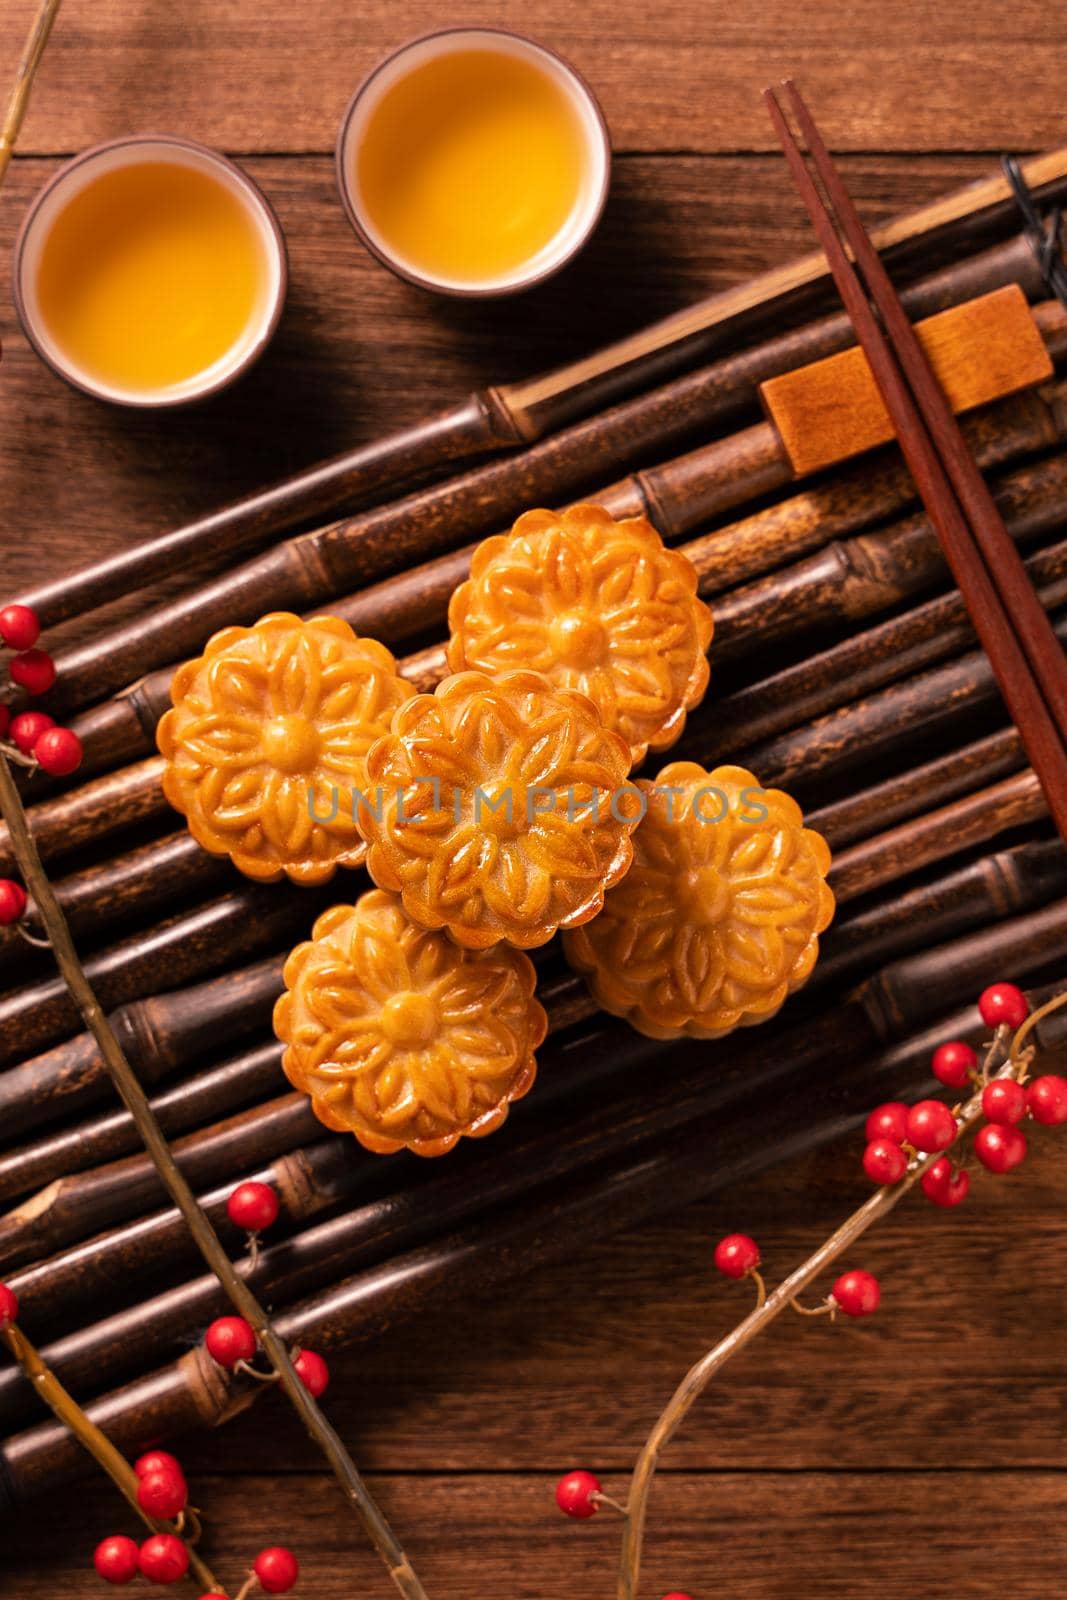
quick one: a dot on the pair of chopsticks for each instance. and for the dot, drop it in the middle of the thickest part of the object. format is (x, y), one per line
(1013, 628)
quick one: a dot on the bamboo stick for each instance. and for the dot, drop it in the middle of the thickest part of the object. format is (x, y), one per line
(977, 818)
(823, 1103)
(160, 1327)
(312, 1179)
(114, 892)
(932, 782)
(203, 1098)
(1015, 879)
(243, 922)
(506, 417)
(72, 1207)
(159, 1033)
(930, 704)
(143, 1253)
(853, 579)
(863, 662)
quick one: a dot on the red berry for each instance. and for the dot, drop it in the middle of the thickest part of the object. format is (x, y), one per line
(163, 1558)
(857, 1293)
(574, 1495)
(12, 901)
(737, 1254)
(115, 1559)
(58, 751)
(676, 1594)
(230, 1340)
(313, 1373)
(1003, 1003)
(889, 1121)
(953, 1064)
(884, 1161)
(999, 1148)
(252, 1206)
(20, 628)
(9, 1306)
(28, 727)
(214, 1595)
(157, 1461)
(5, 719)
(942, 1186)
(34, 671)
(1046, 1099)
(931, 1126)
(162, 1494)
(276, 1568)
(1004, 1100)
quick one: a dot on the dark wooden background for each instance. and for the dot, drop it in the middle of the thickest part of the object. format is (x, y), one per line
(922, 1453)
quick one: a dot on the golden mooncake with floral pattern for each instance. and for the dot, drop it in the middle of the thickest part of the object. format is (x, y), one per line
(266, 741)
(401, 1037)
(597, 605)
(719, 918)
(498, 808)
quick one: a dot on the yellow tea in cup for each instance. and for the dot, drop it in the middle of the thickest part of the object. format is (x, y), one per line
(150, 271)
(474, 161)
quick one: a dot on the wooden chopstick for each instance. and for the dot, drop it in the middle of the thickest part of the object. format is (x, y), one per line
(1004, 563)
(1042, 737)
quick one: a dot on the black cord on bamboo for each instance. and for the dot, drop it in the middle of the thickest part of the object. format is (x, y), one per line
(1042, 231)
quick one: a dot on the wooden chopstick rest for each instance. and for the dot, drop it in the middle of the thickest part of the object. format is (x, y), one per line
(980, 351)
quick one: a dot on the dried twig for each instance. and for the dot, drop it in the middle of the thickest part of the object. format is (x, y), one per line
(97, 1443)
(769, 1306)
(30, 60)
(207, 1241)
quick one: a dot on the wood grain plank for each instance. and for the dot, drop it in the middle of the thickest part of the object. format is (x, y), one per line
(777, 1536)
(847, 1462)
(683, 75)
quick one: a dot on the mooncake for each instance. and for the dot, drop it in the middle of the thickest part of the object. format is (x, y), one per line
(719, 917)
(266, 741)
(499, 808)
(597, 605)
(401, 1037)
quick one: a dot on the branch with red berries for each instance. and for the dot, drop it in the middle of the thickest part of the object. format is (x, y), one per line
(31, 738)
(234, 1342)
(155, 1485)
(907, 1146)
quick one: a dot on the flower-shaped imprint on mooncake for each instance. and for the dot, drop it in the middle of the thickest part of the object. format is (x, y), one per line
(596, 605)
(719, 917)
(401, 1037)
(266, 741)
(499, 808)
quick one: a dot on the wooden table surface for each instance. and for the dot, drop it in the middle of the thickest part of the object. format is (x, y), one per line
(922, 1453)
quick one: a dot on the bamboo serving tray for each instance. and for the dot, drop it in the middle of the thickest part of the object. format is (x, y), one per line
(844, 668)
